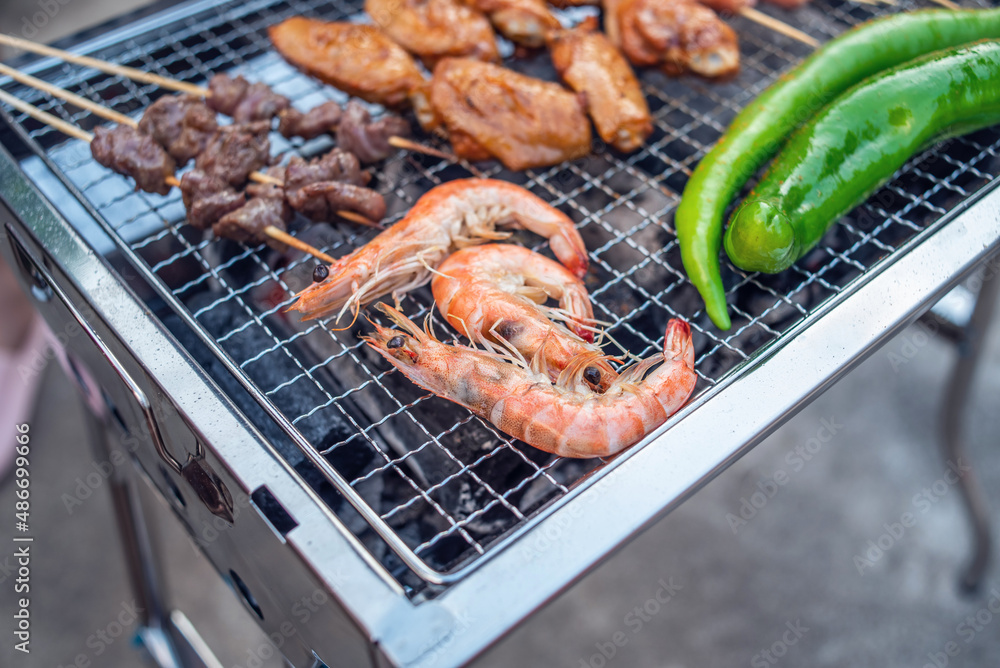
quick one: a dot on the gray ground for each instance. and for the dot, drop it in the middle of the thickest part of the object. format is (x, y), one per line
(786, 582)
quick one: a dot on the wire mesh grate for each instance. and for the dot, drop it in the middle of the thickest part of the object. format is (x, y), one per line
(448, 484)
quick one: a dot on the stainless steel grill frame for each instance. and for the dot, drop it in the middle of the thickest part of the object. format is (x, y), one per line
(823, 315)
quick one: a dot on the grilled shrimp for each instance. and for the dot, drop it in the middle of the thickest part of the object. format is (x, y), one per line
(566, 419)
(450, 216)
(498, 290)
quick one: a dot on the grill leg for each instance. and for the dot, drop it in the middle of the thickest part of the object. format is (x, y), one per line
(167, 634)
(970, 349)
(144, 575)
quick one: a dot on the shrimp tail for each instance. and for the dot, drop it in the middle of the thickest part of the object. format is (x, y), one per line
(677, 344)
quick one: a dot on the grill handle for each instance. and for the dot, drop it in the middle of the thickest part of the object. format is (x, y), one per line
(196, 471)
(42, 284)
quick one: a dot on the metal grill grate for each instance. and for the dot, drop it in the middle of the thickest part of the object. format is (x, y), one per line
(428, 488)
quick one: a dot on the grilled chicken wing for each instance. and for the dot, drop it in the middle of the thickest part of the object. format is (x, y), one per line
(525, 22)
(732, 6)
(358, 59)
(434, 29)
(490, 111)
(563, 4)
(679, 35)
(591, 65)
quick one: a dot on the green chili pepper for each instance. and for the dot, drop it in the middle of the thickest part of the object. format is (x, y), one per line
(854, 145)
(761, 128)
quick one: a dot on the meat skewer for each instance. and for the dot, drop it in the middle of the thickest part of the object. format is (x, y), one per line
(121, 119)
(151, 169)
(184, 87)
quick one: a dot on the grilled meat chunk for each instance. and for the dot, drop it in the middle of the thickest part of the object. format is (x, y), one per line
(677, 35)
(269, 190)
(525, 22)
(247, 223)
(433, 29)
(358, 59)
(367, 139)
(128, 151)
(319, 120)
(591, 65)
(319, 188)
(321, 200)
(227, 92)
(181, 124)
(235, 151)
(208, 198)
(490, 111)
(337, 166)
(244, 101)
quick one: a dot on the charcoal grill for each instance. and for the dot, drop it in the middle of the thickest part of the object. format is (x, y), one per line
(300, 463)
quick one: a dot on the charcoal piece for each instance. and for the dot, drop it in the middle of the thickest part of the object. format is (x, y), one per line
(351, 458)
(448, 552)
(353, 520)
(463, 497)
(223, 318)
(129, 152)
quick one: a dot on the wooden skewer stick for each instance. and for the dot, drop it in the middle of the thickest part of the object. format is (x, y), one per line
(122, 119)
(407, 145)
(359, 219)
(947, 4)
(83, 135)
(45, 117)
(101, 65)
(173, 84)
(779, 26)
(72, 98)
(289, 240)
